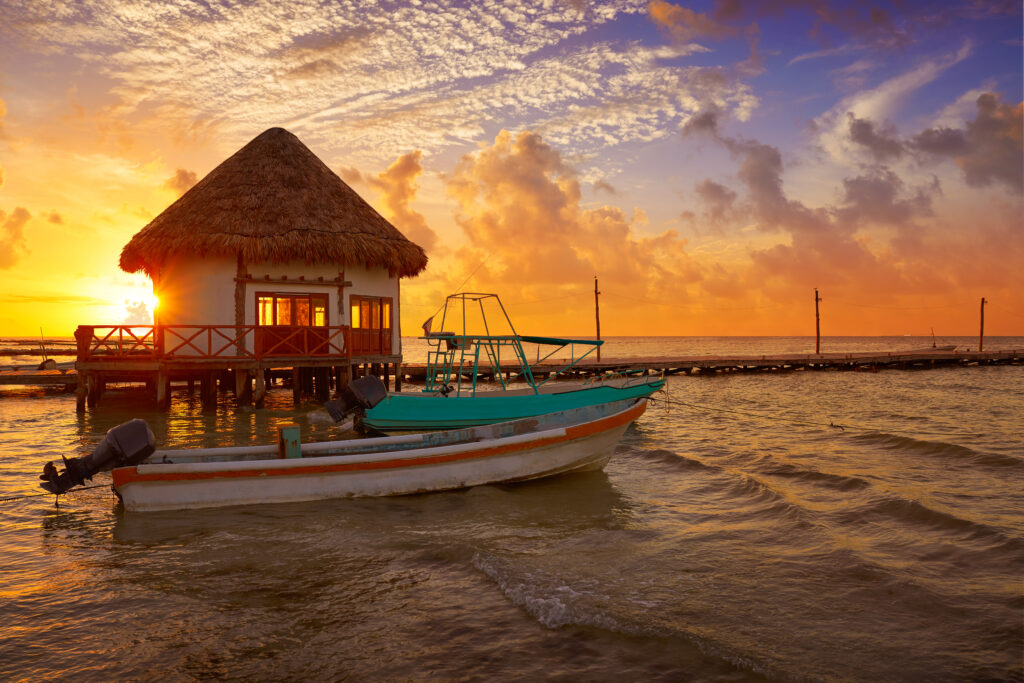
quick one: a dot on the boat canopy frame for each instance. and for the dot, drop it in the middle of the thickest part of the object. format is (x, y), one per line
(450, 355)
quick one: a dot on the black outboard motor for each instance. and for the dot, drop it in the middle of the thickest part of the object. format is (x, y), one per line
(126, 444)
(359, 396)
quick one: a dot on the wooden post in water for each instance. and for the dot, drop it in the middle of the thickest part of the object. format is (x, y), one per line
(817, 323)
(597, 316)
(981, 332)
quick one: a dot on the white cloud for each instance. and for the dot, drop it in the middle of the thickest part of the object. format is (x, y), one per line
(374, 81)
(879, 103)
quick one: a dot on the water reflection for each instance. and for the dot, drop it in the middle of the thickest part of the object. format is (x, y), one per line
(557, 505)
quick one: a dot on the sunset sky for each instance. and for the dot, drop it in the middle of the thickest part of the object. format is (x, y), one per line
(712, 163)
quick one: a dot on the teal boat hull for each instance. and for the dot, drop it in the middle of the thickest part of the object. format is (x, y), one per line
(414, 412)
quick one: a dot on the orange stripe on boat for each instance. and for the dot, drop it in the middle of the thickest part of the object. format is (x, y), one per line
(130, 475)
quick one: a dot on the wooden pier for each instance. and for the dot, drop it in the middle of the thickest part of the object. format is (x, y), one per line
(694, 365)
(112, 358)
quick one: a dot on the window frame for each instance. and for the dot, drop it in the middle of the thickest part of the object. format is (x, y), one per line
(293, 298)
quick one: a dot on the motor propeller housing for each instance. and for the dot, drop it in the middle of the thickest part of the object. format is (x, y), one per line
(126, 444)
(360, 395)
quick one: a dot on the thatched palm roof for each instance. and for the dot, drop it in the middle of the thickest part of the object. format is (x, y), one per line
(274, 201)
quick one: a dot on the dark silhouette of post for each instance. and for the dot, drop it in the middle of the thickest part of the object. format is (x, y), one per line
(597, 316)
(981, 333)
(817, 323)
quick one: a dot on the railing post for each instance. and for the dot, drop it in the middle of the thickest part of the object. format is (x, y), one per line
(158, 341)
(83, 337)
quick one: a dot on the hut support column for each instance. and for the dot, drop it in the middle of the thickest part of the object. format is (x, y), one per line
(243, 387)
(93, 389)
(296, 385)
(398, 377)
(80, 392)
(261, 388)
(323, 389)
(163, 390)
(344, 377)
(208, 390)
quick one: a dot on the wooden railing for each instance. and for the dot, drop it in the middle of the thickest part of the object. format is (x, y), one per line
(202, 342)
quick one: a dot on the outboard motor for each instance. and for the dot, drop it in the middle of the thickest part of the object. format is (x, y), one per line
(358, 397)
(126, 444)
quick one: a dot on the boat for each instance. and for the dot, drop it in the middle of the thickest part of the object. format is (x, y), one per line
(146, 479)
(452, 397)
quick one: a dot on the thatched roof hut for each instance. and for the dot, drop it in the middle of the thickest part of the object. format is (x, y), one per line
(274, 201)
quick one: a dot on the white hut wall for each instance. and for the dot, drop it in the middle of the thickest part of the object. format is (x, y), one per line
(195, 291)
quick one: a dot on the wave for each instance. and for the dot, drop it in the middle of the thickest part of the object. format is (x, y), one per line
(672, 458)
(556, 604)
(549, 600)
(917, 513)
(939, 448)
(840, 482)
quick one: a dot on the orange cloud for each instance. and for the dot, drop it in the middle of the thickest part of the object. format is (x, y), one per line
(685, 24)
(398, 187)
(531, 239)
(181, 181)
(12, 236)
(883, 246)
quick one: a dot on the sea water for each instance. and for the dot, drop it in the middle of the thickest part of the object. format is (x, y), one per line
(734, 535)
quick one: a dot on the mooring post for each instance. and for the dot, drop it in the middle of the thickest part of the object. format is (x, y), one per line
(817, 323)
(981, 333)
(597, 317)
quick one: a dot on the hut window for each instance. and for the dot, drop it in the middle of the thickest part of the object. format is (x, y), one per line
(283, 311)
(292, 309)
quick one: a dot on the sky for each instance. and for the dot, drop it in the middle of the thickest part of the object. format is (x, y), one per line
(711, 163)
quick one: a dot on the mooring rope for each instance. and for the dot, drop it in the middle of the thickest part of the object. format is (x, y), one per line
(763, 416)
(45, 493)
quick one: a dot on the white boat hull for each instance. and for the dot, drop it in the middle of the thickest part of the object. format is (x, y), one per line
(579, 447)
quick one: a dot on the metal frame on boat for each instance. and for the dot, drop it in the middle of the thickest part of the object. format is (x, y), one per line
(451, 396)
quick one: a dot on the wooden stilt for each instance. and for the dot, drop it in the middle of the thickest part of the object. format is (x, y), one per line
(243, 387)
(208, 390)
(93, 390)
(344, 377)
(261, 388)
(163, 390)
(296, 385)
(323, 388)
(80, 393)
(398, 377)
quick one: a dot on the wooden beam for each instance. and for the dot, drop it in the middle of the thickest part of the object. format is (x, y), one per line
(340, 282)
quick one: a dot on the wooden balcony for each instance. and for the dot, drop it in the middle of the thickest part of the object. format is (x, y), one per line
(249, 357)
(102, 343)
